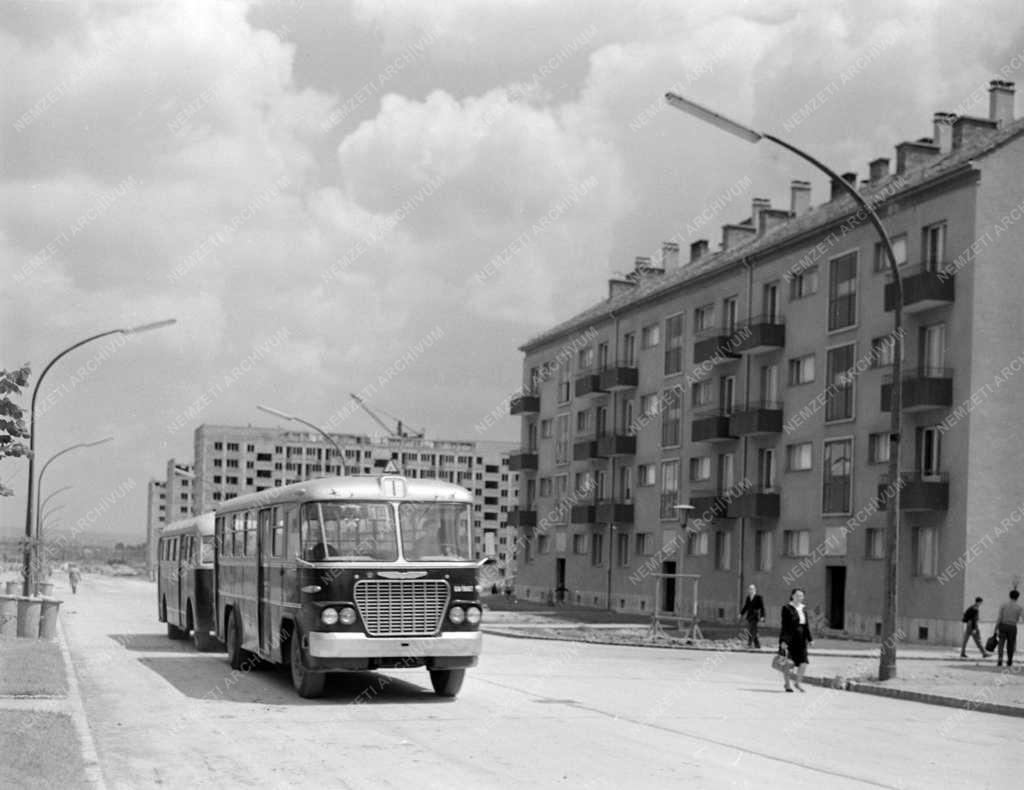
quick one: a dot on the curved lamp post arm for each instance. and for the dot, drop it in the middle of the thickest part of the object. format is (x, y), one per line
(315, 427)
(50, 461)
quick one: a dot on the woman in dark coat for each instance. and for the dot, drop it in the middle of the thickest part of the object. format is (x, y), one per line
(795, 634)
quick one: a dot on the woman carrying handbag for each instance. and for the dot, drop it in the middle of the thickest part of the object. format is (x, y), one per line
(795, 634)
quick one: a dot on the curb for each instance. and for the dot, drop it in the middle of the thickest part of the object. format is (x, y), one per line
(90, 757)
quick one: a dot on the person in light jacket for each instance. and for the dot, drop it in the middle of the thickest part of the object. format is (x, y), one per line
(795, 634)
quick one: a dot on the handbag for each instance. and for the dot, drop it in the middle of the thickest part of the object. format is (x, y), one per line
(782, 662)
(991, 643)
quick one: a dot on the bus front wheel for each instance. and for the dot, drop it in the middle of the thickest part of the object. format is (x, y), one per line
(307, 684)
(447, 682)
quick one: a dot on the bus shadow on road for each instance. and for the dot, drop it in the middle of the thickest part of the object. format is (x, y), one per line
(207, 676)
(154, 643)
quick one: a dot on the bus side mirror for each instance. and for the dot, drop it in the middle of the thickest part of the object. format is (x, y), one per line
(487, 561)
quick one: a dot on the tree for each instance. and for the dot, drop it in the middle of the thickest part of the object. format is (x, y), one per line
(12, 417)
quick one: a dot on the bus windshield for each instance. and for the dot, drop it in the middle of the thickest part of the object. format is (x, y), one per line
(435, 531)
(352, 531)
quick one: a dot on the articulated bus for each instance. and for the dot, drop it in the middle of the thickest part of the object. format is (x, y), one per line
(350, 573)
(185, 580)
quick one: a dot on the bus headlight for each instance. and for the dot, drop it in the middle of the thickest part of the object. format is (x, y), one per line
(329, 616)
(457, 615)
(347, 615)
(472, 615)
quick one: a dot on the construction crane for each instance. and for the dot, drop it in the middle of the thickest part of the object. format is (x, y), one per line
(398, 431)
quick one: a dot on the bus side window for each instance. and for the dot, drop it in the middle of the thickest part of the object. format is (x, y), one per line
(291, 520)
(218, 535)
(250, 533)
(312, 536)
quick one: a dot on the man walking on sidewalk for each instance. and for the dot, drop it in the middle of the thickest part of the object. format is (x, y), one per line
(1006, 628)
(753, 609)
(971, 629)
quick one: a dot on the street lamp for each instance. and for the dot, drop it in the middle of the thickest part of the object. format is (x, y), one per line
(29, 552)
(887, 655)
(317, 428)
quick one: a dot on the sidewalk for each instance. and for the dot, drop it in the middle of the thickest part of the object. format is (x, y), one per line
(930, 674)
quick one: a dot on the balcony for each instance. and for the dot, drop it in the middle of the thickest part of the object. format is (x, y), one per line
(760, 503)
(760, 334)
(611, 444)
(588, 385)
(708, 506)
(621, 377)
(585, 450)
(919, 492)
(526, 403)
(522, 518)
(759, 417)
(924, 287)
(583, 514)
(716, 345)
(711, 426)
(614, 511)
(924, 388)
(524, 460)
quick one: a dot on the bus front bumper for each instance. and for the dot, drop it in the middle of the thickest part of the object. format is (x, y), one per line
(355, 645)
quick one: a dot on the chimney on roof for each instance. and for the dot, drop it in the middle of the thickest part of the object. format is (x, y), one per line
(643, 264)
(969, 131)
(669, 255)
(1000, 102)
(734, 235)
(837, 188)
(758, 205)
(943, 131)
(698, 250)
(772, 218)
(878, 169)
(799, 197)
(850, 178)
(911, 155)
(618, 286)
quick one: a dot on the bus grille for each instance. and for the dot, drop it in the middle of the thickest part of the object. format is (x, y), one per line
(402, 607)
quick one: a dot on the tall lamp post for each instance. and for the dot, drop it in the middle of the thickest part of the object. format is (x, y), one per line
(28, 553)
(315, 427)
(887, 656)
(38, 531)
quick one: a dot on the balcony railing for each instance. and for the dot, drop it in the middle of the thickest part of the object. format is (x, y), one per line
(524, 460)
(708, 505)
(760, 334)
(524, 403)
(716, 345)
(759, 503)
(757, 417)
(614, 511)
(923, 388)
(588, 385)
(583, 514)
(924, 286)
(919, 491)
(522, 518)
(711, 426)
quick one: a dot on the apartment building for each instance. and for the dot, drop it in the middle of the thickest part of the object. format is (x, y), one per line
(754, 383)
(167, 500)
(235, 460)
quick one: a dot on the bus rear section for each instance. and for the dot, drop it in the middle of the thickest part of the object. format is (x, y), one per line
(185, 580)
(356, 574)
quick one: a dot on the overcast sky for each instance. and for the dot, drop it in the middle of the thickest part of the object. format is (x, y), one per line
(344, 197)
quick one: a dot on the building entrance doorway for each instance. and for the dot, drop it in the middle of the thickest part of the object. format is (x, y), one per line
(835, 596)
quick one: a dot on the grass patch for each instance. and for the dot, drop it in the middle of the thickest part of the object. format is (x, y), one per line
(31, 666)
(40, 749)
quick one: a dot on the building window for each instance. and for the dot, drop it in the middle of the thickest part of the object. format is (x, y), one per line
(669, 489)
(545, 429)
(585, 359)
(729, 315)
(543, 544)
(933, 245)
(842, 292)
(840, 380)
(583, 421)
(545, 486)
(721, 551)
(874, 543)
(622, 548)
(763, 550)
(796, 542)
(672, 417)
(629, 349)
(801, 370)
(563, 383)
(645, 474)
(673, 345)
(704, 318)
(596, 548)
(882, 351)
(562, 446)
(798, 457)
(697, 543)
(644, 543)
(218, 445)
(766, 468)
(837, 469)
(701, 393)
(649, 405)
(650, 336)
(899, 251)
(929, 453)
(804, 283)
(232, 447)
(925, 550)
(579, 544)
(700, 468)
(835, 542)
(878, 448)
(726, 394)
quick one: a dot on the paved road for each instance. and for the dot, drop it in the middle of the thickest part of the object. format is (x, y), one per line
(535, 713)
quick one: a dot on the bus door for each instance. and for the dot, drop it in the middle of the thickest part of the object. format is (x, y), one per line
(263, 578)
(181, 572)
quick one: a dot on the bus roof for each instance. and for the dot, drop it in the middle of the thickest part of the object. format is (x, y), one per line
(203, 524)
(362, 487)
